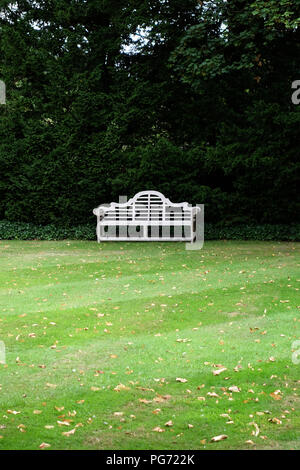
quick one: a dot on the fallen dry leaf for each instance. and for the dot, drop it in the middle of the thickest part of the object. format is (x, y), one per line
(144, 400)
(161, 398)
(158, 429)
(69, 433)
(13, 412)
(120, 387)
(219, 371)
(51, 385)
(256, 431)
(59, 408)
(275, 420)
(276, 395)
(63, 423)
(169, 423)
(212, 394)
(251, 443)
(219, 438)
(44, 445)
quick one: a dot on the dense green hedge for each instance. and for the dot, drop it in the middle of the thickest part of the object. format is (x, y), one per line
(199, 108)
(27, 231)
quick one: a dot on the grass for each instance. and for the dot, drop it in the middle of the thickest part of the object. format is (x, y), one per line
(97, 334)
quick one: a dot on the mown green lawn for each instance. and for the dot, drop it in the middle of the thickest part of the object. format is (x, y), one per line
(97, 336)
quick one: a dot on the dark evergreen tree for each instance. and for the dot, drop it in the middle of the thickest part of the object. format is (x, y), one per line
(110, 97)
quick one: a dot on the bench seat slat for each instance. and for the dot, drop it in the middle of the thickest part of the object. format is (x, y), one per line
(145, 222)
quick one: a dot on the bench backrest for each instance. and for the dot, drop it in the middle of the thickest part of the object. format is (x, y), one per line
(147, 206)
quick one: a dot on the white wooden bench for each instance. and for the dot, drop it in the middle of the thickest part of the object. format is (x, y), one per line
(148, 216)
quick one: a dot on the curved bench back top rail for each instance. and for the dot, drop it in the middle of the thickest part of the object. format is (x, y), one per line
(146, 206)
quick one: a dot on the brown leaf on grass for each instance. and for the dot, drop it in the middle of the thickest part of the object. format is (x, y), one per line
(51, 385)
(201, 398)
(222, 437)
(44, 445)
(212, 394)
(275, 420)
(69, 433)
(251, 443)
(95, 389)
(63, 423)
(145, 389)
(13, 412)
(219, 371)
(158, 429)
(169, 423)
(120, 387)
(143, 400)
(161, 398)
(166, 397)
(234, 388)
(256, 431)
(179, 379)
(276, 395)
(37, 412)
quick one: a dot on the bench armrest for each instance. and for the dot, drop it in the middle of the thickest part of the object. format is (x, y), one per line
(195, 210)
(99, 211)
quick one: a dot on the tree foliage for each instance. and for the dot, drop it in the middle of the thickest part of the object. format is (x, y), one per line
(111, 97)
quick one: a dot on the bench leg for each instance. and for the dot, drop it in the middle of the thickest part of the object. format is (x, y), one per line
(98, 229)
(145, 231)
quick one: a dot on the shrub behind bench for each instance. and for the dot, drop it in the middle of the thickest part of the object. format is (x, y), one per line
(27, 231)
